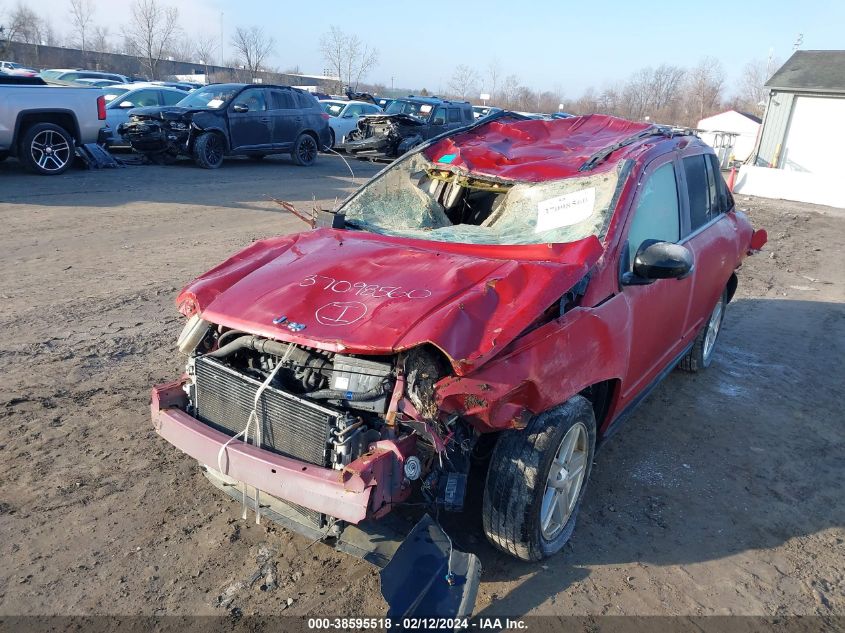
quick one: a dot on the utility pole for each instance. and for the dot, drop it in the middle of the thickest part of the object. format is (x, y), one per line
(798, 41)
(222, 63)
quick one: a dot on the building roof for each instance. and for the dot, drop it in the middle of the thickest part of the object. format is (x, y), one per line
(812, 71)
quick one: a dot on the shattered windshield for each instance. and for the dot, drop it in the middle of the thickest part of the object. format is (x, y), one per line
(213, 97)
(417, 110)
(419, 199)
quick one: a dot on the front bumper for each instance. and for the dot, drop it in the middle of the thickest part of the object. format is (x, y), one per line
(367, 487)
(148, 136)
(370, 144)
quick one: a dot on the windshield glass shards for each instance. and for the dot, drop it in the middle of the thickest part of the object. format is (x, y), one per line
(417, 110)
(213, 97)
(420, 199)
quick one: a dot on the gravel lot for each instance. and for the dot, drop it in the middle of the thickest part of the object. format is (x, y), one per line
(721, 495)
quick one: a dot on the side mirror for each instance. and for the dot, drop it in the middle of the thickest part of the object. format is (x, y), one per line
(126, 104)
(659, 260)
(348, 116)
(240, 108)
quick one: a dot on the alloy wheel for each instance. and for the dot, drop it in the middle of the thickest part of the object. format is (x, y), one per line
(564, 481)
(50, 151)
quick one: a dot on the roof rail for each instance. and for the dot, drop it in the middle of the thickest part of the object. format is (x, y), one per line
(654, 130)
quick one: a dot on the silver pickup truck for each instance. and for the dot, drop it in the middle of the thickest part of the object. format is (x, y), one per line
(42, 125)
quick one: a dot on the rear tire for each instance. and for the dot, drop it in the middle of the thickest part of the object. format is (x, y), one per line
(305, 150)
(209, 150)
(47, 149)
(530, 505)
(701, 354)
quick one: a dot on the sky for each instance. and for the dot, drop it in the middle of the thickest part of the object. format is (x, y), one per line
(563, 46)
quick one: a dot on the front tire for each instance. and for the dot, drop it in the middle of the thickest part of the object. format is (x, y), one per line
(47, 149)
(209, 150)
(536, 481)
(701, 354)
(305, 150)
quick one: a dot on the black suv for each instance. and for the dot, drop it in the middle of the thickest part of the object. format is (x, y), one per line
(406, 123)
(231, 119)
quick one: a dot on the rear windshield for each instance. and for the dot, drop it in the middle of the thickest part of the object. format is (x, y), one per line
(420, 199)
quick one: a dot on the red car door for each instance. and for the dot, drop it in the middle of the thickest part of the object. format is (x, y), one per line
(658, 310)
(711, 236)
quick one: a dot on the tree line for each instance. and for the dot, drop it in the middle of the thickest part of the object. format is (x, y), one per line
(666, 94)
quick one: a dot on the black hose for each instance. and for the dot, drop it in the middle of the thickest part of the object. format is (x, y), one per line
(298, 356)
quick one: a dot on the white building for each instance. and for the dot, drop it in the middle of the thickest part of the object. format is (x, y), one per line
(799, 154)
(732, 134)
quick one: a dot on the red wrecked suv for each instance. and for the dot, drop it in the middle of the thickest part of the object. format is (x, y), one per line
(528, 279)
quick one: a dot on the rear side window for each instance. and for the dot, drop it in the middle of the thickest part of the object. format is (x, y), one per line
(303, 100)
(281, 100)
(454, 115)
(656, 216)
(698, 189)
(724, 200)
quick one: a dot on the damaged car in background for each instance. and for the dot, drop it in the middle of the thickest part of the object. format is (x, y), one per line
(493, 303)
(231, 120)
(405, 124)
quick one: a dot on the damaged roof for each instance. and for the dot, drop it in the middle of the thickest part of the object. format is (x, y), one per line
(534, 150)
(812, 71)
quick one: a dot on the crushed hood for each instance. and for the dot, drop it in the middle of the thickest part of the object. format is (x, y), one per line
(363, 293)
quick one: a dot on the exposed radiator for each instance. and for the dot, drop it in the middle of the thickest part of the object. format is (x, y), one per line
(291, 426)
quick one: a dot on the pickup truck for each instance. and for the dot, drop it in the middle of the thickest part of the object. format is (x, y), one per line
(42, 125)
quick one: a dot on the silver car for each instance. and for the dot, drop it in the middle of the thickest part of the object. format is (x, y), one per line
(344, 115)
(117, 109)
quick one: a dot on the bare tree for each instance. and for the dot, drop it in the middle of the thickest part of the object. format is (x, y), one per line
(494, 76)
(81, 16)
(205, 49)
(347, 57)
(752, 91)
(464, 82)
(24, 25)
(252, 46)
(100, 39)
(151, 31)
(705, 84)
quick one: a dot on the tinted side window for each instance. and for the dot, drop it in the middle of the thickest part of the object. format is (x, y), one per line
(172, 97)
(354, 110)
(469, 117)
(439, 117)
(371, 109)
(698, 189)
(725, 200)
(454, 115)
(656, 216)
(281, 100)
(303, 100)
(253, 98)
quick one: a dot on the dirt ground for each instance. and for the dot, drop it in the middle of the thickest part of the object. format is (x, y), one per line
(723, 494)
